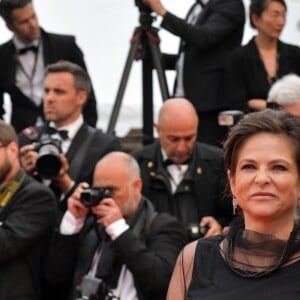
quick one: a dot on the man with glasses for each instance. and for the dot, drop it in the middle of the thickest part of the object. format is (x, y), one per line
(27, 218)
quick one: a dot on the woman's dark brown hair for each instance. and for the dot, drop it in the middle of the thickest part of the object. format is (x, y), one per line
(270, 121)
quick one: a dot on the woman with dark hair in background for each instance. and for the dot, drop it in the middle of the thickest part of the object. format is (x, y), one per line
(253, 68)
(259, 257)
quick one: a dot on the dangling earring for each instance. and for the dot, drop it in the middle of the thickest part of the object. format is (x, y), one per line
(234, 205)
(298, 210)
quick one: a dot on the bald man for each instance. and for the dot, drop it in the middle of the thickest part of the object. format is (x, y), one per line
(183, 177)
(134, 249)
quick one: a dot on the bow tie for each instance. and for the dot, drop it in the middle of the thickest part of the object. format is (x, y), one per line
(62, 133)
(24, 50)
(169, 162)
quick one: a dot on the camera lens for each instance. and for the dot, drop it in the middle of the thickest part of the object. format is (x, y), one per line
(48, 163)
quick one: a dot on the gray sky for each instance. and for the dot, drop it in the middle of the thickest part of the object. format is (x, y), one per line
(103, 29)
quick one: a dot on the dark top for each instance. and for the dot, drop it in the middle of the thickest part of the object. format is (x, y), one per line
(149, 253)
(212, 279)
(24, 111)
(26, 222)
(100, 145)
(246, 76)
(206, 45)
(201, 192)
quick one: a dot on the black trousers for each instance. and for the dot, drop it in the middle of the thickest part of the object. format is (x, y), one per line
(209, 131)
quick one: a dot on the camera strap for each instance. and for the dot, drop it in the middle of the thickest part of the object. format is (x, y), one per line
(10, 189)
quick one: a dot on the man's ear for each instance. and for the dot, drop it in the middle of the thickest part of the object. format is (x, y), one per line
(13, 149)
(10, 26)
(138, 186)
(82, 96)
(156, 126)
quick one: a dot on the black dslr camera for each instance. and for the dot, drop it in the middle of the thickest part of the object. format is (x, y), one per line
(195, 231)
(94, 289)
(48, 163)
(94, 195)
(229, 117)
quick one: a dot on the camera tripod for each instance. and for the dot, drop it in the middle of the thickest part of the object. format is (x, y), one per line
(145, 38)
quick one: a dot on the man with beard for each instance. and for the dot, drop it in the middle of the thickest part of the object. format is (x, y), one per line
(27, 218)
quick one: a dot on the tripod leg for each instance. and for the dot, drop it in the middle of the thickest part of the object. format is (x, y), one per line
(147, 100)
(121, 90)
(156, 57)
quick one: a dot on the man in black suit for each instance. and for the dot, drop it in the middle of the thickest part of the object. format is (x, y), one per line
(66, 87)
(120, 239)
(212, 29)
(183, 177)
(23, 60)
(27, 218)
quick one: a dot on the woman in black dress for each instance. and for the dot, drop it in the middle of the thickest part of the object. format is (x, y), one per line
(253, 68)
(259, 257)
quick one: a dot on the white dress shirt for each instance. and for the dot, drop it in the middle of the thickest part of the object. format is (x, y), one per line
(125, 289)
(30, 71)
(192, 19)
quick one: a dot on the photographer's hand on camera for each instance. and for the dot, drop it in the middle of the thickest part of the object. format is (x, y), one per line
(214, 228)
(107, 211)
(156, 6)
(75, 207)
(63, 180)
(28, 158)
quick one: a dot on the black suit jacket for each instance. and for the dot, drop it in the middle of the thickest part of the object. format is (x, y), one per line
(56, 47)
(100, 145)
(26, 224)
(206, 171)
(150, 258)
(246, 76)
(206, 45)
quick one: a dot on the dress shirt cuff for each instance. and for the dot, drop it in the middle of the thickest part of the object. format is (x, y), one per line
(115, 229)
(70, 225)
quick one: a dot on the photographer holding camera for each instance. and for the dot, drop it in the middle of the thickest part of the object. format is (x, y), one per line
(27, 219)
(65, 150)
(182, 176)
(112, 233)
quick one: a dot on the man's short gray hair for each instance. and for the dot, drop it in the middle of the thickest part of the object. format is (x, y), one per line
(286, 90)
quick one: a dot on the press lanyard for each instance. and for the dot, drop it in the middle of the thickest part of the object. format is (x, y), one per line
(11, 188)
(30, 77)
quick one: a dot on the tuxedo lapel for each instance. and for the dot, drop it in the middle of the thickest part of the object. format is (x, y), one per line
(10, 60)
(46, 48)
(76, 142)
(91, 242)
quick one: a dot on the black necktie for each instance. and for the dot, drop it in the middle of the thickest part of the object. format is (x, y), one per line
(62, 133)
(24, 50)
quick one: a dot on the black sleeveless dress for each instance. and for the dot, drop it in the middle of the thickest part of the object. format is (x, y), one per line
(212, 278)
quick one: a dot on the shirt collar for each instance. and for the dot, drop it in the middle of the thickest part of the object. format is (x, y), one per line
(163, 154)
(71, 128)
(19, 45)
